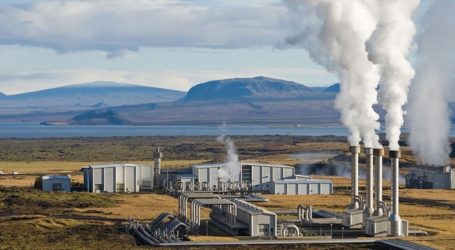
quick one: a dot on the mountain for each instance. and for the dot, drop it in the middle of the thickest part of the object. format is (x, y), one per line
(335, 88)
(238, 100)
(241, 88)
(88, 95)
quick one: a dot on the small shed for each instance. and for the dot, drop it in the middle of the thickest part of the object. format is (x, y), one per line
(60, 183)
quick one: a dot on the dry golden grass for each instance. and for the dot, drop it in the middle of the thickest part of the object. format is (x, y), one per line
(440, 195)
(144, 206)
(41, 167)
(276, 159)
(18, 181)
(68, 167)
(47, 223)
(334, 202)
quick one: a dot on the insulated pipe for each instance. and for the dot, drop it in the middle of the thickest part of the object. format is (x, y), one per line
(378, 154)
(185, 213)
(192, 213)
(369, 182)
(395, 220)
(180, 206)
(355, 150)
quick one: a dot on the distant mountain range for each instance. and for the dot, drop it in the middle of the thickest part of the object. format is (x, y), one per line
(238, 100)
(93, 94)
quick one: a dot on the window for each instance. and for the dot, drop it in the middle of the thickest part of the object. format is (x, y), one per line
(246, 174)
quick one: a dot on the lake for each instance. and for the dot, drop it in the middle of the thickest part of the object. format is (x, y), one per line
(41, 131)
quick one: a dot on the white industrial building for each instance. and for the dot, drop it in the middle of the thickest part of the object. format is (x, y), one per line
(251, 176)
(257, 177)
(60, 183)
(235, 216)
(121, 177)
(428, 177)
(302, 186)
(259, 221)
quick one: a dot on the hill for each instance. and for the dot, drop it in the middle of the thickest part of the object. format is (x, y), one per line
(335, 88)
(241, 88)
(238, 100)
(90, 95)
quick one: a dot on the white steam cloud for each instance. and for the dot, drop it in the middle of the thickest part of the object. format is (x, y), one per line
(434, 86)
(388, 47)
(233, 167)
(335, 33)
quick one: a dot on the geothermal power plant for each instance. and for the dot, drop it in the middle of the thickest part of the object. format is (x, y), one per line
(234, 196)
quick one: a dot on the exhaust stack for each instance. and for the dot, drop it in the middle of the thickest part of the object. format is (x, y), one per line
(157, 168)
(369, 183)
(355, 150)
(378, 154)
(394, 219)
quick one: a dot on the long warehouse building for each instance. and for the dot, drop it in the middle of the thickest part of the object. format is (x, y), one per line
(120, 177)
(256, 177)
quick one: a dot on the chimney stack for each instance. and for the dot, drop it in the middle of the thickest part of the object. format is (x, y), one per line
(157, 168)
(378, 154)
(369, 182)
(355, 150)
(394, 219)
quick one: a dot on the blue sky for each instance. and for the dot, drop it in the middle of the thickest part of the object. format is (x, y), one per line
(170, 44)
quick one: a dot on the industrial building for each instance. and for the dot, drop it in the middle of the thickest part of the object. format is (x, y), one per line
(254, 176)
(61, 183)
(428, 177)
(259, 221)
(121, 177)
(235, 216)
(302, 186)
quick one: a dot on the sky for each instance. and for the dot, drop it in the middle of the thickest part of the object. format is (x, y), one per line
(169, 44)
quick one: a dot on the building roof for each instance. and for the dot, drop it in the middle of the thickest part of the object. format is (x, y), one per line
(303, 181)
(115, 165)
(56, 177)
(185, 176)
(200, 195)
(223, 164)
(251, 208)
(214, 201)
(433, 168)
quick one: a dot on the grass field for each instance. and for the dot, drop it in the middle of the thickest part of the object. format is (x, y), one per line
(50, 167)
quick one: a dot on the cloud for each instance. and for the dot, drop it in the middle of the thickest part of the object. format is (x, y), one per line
(121, 26)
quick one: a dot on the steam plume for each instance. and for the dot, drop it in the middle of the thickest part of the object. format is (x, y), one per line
(433, 88)
(233, 167)
(334, 32)
(388, 47)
